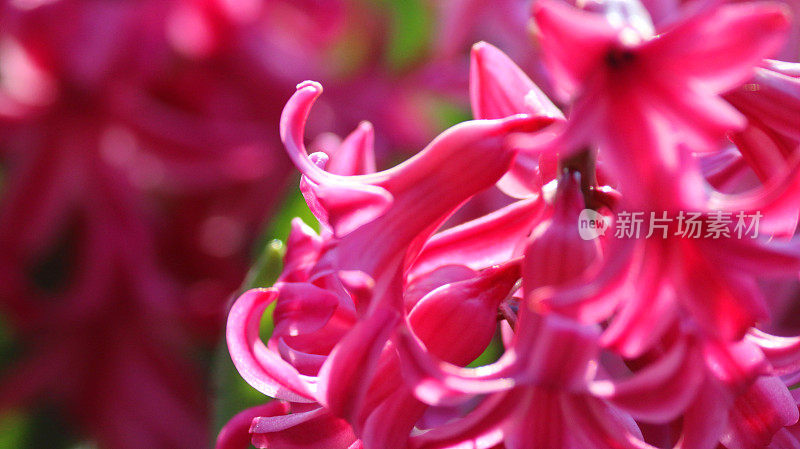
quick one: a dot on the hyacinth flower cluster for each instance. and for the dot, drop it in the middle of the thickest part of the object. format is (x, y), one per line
(617, 341)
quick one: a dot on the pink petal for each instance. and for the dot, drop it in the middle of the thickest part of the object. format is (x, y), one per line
(783, 353)
(438, 383)
(700, 119)
(302, 308)
(479, 429)
(555, 253)
(596, 425)
(305, 363)
(596, 295)
(356, 154)
(705, 420)
(466, 244)
(644, 317)
(784, 439)
(776, 200)
(303, 247)
(758, 414)
(345, 376)
(573, 43)
(773, 98)
(390, 424)
(263, 369)
(735, 365)
(703, 50)
(539, 422)
(724, 304)
(767, 258)
(661, 391)
(236, 433)
(457, 321)
(348, 207)
(425, 283)
(499, 88)
(316, 429)
(554, 351)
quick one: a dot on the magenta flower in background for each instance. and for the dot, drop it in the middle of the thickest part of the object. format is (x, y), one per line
(140, 159)
(612, 338)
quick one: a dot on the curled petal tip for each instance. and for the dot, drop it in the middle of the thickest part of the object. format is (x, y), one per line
(479, 46)
(311, 85)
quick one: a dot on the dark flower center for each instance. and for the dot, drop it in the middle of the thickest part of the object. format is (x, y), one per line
(618, 58)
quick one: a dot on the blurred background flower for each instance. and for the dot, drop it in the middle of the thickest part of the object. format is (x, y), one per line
(140, 167)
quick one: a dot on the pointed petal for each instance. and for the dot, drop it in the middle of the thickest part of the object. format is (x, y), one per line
(776, 201)
(640, 322)
(356, 153)
(773, 97)
(425, 283)
(348, 207)
(305, 363)
(499, 88)
(702, 48)
(594, 424)
(573, 43)
(438, 383)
